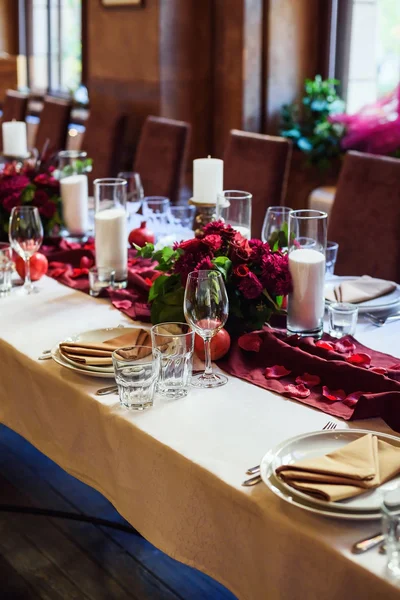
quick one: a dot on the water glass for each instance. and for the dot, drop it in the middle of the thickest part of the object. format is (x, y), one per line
(100, 278)
(342, 319)
(276, 226)
(6, 268)
(234, 208)
(26, 235)
(136, 376)
(71, 162)
(173, 354)
(331, 256)
(307, 243)
(134, 192)
(391, 529)
(156, 211)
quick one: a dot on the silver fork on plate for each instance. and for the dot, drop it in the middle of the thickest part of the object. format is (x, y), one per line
(255, 471)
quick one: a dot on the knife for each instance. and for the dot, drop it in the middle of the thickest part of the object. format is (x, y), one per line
(367, 543)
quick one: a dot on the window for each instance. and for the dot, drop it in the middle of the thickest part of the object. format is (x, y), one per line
(50, 45)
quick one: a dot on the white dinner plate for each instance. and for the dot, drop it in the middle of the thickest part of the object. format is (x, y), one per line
(365, 506)
(381, 303)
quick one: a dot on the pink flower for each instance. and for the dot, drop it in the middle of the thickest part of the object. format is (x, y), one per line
(204, 265)
(250, 286)
(46, 179)
(213, 241)
(259, 249)
(275, 274)
(219, 228)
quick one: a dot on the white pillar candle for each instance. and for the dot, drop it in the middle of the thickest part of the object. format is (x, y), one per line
(306, 302)
(208, 179)
(111, 241)
(75, 203)
(14, 139)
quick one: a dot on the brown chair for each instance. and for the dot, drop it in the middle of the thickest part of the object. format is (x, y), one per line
(258, 164)
(14, 106)
(53, 127)
(365, 218)
(161, 156)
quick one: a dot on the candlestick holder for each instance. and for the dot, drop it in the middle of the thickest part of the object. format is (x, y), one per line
(205, 213)
(6, 159)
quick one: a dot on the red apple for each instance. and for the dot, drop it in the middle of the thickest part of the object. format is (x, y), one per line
(39, 265)
(220, 345)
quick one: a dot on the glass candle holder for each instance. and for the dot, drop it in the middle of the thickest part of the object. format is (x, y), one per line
(342, 319)
(100, 278)
(276, 227)
(71, 162)
(234, 208)
(110, 224)
(307, 243)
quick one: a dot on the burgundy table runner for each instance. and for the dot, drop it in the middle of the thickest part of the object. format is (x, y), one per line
(337, 387)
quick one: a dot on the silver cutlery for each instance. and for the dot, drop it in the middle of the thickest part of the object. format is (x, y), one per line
(256, 470)
(380, 321)
(112, 389)
(368, 543)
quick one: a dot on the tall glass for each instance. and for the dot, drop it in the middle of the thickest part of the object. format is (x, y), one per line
(110, 224)
(307, 244)
(276, 226)
(234, 208)
(71, 162)
(173, 354)
(26, 235)
(134, 192)
(206, 308)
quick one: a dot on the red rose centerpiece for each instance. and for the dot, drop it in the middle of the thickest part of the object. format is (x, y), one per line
(256, 277)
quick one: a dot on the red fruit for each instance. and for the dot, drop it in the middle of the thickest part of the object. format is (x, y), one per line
(141, 236)
(39, 265)
(220, 345)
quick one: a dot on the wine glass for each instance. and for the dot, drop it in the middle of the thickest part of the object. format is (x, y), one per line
(206, 308)
(26, 236)
(275, 227)
(134, 193)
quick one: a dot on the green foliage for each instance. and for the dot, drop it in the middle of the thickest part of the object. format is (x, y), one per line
(166, 297)
(223, 265)
(80, 167)
(308, 125)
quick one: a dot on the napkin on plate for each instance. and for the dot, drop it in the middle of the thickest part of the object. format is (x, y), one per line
(361, 465)
(99, 354)
(359, 290)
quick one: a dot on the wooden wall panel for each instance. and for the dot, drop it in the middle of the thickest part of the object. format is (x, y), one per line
(9, 26)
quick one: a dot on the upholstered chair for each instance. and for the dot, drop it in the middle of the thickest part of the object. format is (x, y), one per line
(53, 127)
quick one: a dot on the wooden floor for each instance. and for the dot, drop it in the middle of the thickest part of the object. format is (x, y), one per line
(54, 559)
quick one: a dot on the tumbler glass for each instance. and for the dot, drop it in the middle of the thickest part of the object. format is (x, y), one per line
(342, 319)
(135, 375)
(71, 162)
(391, 529)
(100, 278)
(331, 256)
(6, 268)
(173, 354)
(234, 208)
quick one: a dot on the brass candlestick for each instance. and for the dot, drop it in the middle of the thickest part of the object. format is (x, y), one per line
(205, 213)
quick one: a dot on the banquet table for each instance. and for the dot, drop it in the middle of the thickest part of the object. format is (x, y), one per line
(175, 471)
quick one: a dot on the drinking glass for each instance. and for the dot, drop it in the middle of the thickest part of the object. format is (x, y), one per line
(26, 236)
(181, 218)
(331, 256)
(206, 308)
(234, 208)
(111, 237)
(342, 319)
(100, 278)
(6, 268)
(134, 192)
(71, 162)
(307, 243)
(156, 211)
(391, 529)
(135, 375)
(276, 226)
(173, 354)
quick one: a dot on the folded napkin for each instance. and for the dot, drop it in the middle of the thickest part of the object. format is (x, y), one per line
(359, 290)
(361, 465)
(99, 354)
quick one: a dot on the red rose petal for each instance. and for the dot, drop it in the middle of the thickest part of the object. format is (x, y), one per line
(360, 359)
(325, 345)
(345, 345)
(352, 399)
(122, 304)
(250, 342)
(379, 370)
(395, 367)
(276, 372)
(308, 380)
(333, 395)
(86, 262)
(297, 391)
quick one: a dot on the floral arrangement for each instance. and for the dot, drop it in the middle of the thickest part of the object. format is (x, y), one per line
(257, 278)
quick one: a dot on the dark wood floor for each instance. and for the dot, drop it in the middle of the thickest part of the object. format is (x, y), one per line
(58, 559)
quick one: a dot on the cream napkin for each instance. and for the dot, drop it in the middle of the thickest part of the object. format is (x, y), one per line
(359, 290)
(363, 464)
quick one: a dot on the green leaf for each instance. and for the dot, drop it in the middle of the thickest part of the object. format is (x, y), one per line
(223, 265)
(146, 251)
(157, 287)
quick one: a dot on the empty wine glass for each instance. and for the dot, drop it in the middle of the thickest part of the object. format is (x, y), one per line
(275, 227)
(134, 192)
(26, 236)
(206, 308)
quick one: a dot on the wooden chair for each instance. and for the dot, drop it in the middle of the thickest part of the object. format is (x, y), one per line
(161, 156)
(53, 126)
(258, 164)
(365, 218)
(14, 106)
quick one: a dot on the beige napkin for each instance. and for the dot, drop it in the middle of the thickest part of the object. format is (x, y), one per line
(99, 354)
(359, 290)
(363, 464)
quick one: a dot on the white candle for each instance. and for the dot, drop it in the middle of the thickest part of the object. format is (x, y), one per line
(208, 176)
(111, 241)
(245, 231)
(306, 303)
(14, 139)
(75, 205)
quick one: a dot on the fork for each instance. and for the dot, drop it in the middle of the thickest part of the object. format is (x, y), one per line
(256, 470)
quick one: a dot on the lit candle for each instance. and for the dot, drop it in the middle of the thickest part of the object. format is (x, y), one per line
(74, 196)
(14, 139)
(111, 240)
(208, 175)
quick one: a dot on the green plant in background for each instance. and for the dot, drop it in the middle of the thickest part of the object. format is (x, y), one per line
(308, 125)
(80, 167)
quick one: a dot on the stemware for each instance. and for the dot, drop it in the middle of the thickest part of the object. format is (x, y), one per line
(134, 191)
(206, 308)
(156, 211)
(26, 236)
(275, 227)
(234, 207)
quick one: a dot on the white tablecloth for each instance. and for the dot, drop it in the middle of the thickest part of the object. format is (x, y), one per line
(175, 471)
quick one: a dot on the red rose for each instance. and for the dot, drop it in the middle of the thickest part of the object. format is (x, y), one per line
(250, 286)
(192, 245)
(240, 249)
(48, 210)
(213, 241)
(241, 270)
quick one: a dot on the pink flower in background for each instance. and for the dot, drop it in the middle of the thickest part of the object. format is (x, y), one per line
(258, 250)
(250, 286)
(204, 265)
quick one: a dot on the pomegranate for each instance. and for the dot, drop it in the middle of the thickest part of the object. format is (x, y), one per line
(141, 235)
(220, 345)
(38, 264)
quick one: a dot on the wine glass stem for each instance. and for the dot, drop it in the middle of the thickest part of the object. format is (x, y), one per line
(28, 281)
(207, 350)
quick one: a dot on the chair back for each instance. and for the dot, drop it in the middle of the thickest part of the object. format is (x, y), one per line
(161, 156)
(53, 125)
(365, 217)
(14, 106)
(258, 164)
